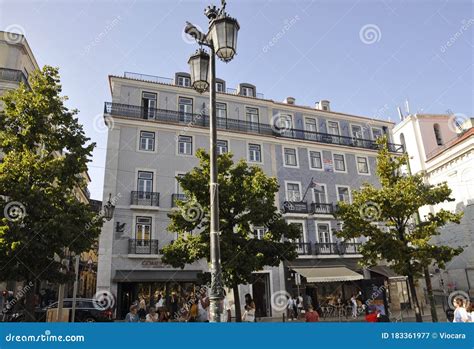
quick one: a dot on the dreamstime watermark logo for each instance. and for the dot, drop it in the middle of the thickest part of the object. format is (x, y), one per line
(381, 112)
(102, 123)
(370, 34)
(103, 300)
(466, 24)
(101, 213)
(458, 122)
(14, 211)
(21, 293)
(14, 33)
(101, 36)
(288, 23)
(279, 300)
(280, 124)
(370, 211)
(192, 211)
(194, 32)
(458, 294)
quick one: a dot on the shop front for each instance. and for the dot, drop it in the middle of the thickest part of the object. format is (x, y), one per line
(134, 285)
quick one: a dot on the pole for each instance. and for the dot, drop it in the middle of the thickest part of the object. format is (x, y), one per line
(74, 291)
(216, 295)
(60, 302)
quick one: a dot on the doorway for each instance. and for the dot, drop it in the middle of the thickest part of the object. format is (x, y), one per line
(261, 294)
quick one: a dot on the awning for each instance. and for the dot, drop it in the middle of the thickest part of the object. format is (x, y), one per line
(157, 275)
(332, 274)
(385, 271)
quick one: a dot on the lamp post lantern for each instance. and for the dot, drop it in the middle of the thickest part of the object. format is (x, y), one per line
(221, 39)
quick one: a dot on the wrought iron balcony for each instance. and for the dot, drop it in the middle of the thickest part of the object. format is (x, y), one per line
(319, 208)
(193, 119)
(137, 246)
(321, 248)
(14, 75)
(295, 207)
(144, 198)
(175, 197)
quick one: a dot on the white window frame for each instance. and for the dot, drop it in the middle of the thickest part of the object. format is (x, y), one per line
(256, 231)
(328, 223)
(361, 131)
(245, 90)
(178, 189)
(315, 123)
(286, 190)
(338, 127)
(192, 145)
(348, 190)
(152, 150)
(142, 169)
(139, 131)
(334, 162)
(296, 157)
(248, 152)
(221, 84)
(368, 165)
(184, 78)
(302, 222)
(133, 231)
(372, 132)
(309, 160)
(325, 193)
(217, 145)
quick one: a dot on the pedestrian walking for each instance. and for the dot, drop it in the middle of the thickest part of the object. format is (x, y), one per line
(152, 316)
(470, 312)
(354, 306)
(132, 315)
(142, 309)
(311, 315)
(299, 303)
(460, 313)
(249, 314)
(291, 306)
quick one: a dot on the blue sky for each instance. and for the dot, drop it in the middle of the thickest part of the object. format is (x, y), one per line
(366, 57)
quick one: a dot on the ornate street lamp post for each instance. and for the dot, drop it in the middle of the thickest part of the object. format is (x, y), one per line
(221, 40)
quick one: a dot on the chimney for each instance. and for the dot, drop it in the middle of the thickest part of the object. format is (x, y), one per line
(322, 105)
(289, 100)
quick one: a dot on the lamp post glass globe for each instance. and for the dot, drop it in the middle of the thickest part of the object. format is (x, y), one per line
(199, 67)
(109, 209)
(223, 33)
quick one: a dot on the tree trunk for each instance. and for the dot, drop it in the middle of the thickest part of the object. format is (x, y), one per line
(30, 300)
(414, 297)
(429, 290)
(238, 312)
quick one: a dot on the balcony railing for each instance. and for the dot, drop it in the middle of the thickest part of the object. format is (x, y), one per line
(295, 207)
(193, 119)
(175, 197)
(145, 77)
(144, 198)
(321, 248)
(136, 246)
(13, 75)
(319, 208)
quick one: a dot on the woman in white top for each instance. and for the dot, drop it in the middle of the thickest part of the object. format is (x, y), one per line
(460, 313)
(470, 312)
(152, 316)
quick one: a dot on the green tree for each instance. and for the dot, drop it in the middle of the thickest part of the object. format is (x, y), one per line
(44, 157)
(246, 200)
(386, 215)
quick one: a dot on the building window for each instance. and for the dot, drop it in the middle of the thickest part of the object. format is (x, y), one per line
(222, 147)
(147, 141)
(185, 145)
(143, 228)
(255, 153)
(333, 128)
(259, 232)
(220, 87)
(248, 91)
(185, 109)
(339, 163)
(310, 125)
(145, 184)
(290, 157)
(293, 192)
(251, 115)
(184, 81)
(320, 194)
(362, 165)
(376, 132)
(343, 194)
(221, 109)
(356, 131)
(437, 132)
(149, 105)
(324, 233)
(315, 160)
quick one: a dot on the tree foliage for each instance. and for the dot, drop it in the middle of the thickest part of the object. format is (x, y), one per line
(44, 156)
(246, 200)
